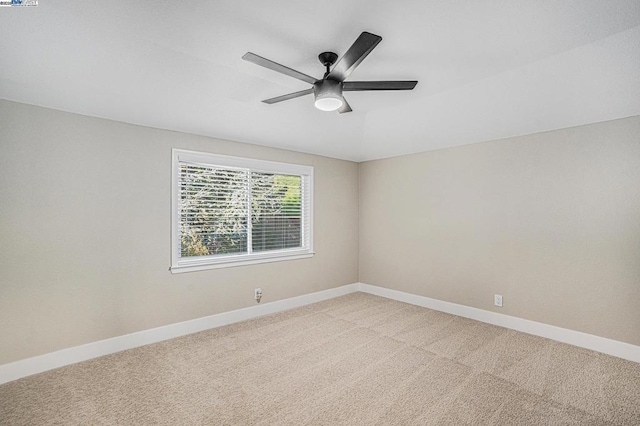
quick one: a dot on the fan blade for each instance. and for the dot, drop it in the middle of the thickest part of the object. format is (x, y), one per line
(274, 66)
(345, 106)
(289, 96)
(353, 86)
(356, 54)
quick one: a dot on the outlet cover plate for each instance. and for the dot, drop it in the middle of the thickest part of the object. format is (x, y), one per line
(497, 300)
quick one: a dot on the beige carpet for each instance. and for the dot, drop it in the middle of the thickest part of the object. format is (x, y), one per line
(357, 359)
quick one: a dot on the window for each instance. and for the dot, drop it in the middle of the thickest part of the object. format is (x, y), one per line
(229, 211)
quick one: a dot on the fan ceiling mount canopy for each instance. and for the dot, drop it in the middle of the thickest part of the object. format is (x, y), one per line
(328, 91)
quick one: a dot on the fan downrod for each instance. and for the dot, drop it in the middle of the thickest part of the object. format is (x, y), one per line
(327, 59)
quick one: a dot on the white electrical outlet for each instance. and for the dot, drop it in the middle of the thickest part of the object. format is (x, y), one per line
(257, 294)
(497, 300)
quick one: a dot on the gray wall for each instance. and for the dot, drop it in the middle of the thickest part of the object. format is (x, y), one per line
(550, 221)
(85, 226)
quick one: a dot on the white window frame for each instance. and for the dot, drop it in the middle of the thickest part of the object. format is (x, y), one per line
(179, 264)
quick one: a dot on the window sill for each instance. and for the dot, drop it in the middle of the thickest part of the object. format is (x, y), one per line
(204, 264)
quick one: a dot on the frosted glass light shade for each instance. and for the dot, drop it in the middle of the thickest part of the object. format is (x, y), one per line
(328, 103)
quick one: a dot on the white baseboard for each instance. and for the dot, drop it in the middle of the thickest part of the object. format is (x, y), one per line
(38, 364)
(576, 338)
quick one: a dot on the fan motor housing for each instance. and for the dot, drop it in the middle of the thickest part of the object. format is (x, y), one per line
(328, 94)
(327, 88)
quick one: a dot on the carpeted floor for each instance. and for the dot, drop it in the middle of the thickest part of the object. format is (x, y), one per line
(357, 359)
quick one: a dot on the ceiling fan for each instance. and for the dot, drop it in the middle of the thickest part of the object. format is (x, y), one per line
(328, 90)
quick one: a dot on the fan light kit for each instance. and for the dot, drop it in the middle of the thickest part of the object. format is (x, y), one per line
(328, 94)
(328, 91)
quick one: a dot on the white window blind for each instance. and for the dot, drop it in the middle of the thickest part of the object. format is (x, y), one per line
(276, 211)
(213, 210)
(230, 211)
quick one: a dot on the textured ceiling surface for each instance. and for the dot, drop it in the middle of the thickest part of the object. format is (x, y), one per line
(487, 70)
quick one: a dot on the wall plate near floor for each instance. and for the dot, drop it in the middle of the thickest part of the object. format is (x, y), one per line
(497, 300)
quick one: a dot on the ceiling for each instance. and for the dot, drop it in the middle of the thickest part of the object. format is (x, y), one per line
(486, 69)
